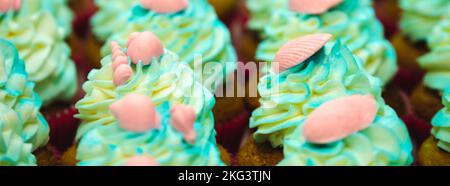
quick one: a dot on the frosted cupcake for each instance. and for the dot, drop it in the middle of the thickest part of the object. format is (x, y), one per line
(40, 42)
(418, 19)
(143, 68)
(307, 74)
(354, 22)
(191, 29)
(435, 151)
(23, 130)
(148, 135)
(426, 96)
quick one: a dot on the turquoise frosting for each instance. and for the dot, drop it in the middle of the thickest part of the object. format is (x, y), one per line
(164, 80)
(110, 17)
(111, 145)
(437, 61)
(441, 123)
(41, 44)
(419, 16)
(288, 98)
(352, 21)
(384, 143)
(195, 31)
(23, 129)
(262, 10)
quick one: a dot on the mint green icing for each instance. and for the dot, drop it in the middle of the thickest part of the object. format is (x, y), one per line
(195, 31)
(441, 124)
(354, 22)
(437, 61)
(41, 44)
(384, 143)
(165, 80)
(22, 127)
(110, 17)
(59, 10)
(262, 10)
(111, 145)
(420, 16)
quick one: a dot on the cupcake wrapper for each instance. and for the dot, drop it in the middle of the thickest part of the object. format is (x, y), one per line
(418, 128)
(63, 126)
(230, 133)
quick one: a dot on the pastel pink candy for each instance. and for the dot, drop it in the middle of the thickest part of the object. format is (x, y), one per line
(165, 6)
(183, 119)
(7, 5)
(312, 6)
(144, 47)
(298, 50)
(339, 118)
(120, 60)
(133, 36)
(136, 112)
(141, 161)
(122, 74)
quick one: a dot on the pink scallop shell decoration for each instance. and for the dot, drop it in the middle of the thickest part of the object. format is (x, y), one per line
(298, 50)
(165, 6)
(141, 161)
(122, 74)
(339, 118)
(136, 113)
(7, 5)
(183, 119)
(144, 47)
(312, 6)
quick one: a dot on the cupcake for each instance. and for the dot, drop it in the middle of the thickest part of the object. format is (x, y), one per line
(426, 96)
(435, 151)
(419, 17)
(145, 67)
(40, 42)
(354, 22)
(191, 29)
(143, 134)
(59, 9)
(306, 75)
(23, 130)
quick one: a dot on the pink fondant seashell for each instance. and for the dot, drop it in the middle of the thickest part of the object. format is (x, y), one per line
(141, 161)
(145, 47)
(120, 60)
(122, 74)
(298, 50)
(165, 6)
(183, 119)
(7, 5)
(136, 113)
(312, 6)
(339, 118)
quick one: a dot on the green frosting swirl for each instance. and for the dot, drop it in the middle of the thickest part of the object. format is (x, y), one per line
(262, 10)
(385, 142)
(40, 42)
(110, 17)
(59, 10)
(22, 127)
(111, 145)
(195, 31)
(420, 16)
(441, 124)
(354, 22)
(437, 62)
(165, 80)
